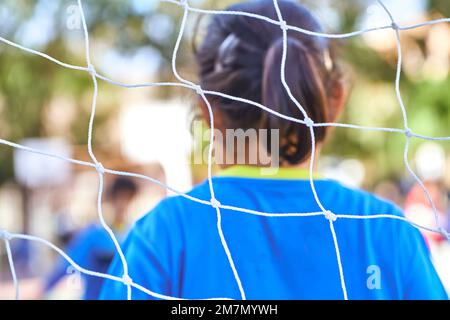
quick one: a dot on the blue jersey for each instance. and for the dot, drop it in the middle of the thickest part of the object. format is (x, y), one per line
(176, 250)
(92, 249)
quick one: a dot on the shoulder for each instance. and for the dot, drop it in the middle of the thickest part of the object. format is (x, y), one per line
(384, 220)
(365, 202)
(380, 218)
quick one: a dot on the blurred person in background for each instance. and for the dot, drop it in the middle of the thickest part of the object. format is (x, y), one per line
(92, 247)
(419, 210)
(64, 223)
(431, 167)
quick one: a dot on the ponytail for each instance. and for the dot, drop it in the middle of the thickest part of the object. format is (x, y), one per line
(305, 82)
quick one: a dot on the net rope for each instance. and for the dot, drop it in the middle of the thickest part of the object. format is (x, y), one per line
(126, 280)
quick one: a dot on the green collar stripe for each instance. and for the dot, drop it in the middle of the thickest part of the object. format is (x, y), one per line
(267, 173)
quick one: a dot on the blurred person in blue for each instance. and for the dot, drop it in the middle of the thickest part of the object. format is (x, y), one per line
(92, 247)
(176, 249)
(419, 210)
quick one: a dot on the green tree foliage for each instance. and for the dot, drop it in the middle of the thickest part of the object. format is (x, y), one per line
(28, 83)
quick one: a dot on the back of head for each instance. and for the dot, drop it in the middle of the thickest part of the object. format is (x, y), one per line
(241, 56)
(122, 186)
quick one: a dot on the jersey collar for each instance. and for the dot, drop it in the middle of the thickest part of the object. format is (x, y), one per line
(248, 171)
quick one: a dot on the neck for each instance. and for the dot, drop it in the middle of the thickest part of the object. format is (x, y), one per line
(230, 158)
(289, 173)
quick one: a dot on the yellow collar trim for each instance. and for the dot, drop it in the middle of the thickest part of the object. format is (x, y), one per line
(267, 173)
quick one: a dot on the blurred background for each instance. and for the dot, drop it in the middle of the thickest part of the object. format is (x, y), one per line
(147, 130)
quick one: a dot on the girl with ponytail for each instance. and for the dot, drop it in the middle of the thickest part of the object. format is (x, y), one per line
(176, 249)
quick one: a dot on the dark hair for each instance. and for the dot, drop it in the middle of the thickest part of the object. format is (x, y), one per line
(241, 56)
(122, 184)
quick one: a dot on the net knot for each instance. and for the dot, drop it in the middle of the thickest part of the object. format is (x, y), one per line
(283, 25)
(447, 236)
(215, 203)
(100, 168)
(127, 280)
(443, 232)
(330, 215)
(394, 26)
(184, 4)
(308, 122)
(5, 235)
(197, 89)
(91, 69)
(408, 133)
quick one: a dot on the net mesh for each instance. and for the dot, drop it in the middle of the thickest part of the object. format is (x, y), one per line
(186, 8)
